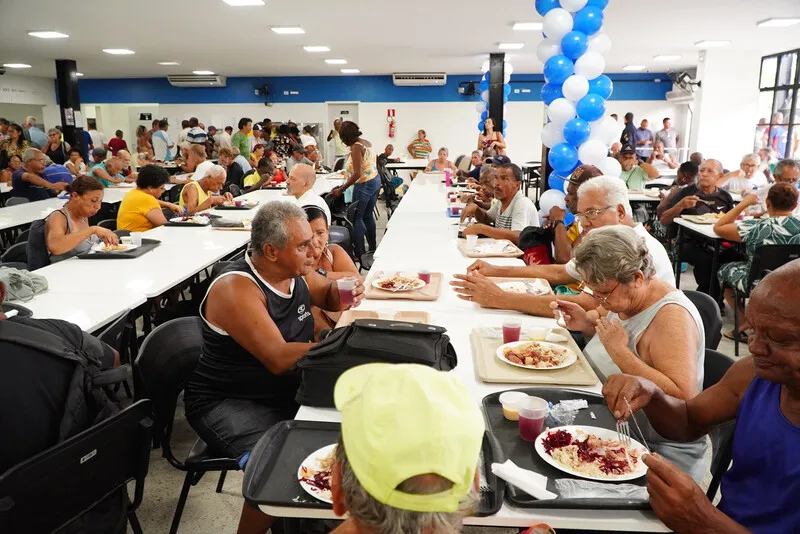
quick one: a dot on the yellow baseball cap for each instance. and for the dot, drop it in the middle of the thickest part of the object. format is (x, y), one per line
(404, 420)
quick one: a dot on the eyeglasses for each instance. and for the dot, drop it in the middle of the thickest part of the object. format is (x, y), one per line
(602, 300)
(591, 214)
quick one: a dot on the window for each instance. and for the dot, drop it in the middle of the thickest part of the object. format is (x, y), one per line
(778, 127)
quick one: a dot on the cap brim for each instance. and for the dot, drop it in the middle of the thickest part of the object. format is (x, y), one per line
(351, 383)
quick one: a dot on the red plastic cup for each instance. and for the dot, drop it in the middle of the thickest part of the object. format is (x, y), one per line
(532, 414)
(425, 276)
(238, 203)
(346, 287)
(511, 331)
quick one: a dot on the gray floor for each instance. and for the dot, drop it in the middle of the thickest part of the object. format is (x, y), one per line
(209, 512)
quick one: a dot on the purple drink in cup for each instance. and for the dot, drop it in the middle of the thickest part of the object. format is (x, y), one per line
(511, 331)
(532, 414)
(424, 275)
(346, 287)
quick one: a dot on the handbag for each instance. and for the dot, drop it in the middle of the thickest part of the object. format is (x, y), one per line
(537, 245)
(369, 341)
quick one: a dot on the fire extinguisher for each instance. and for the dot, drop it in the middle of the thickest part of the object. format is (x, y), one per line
(391, 121)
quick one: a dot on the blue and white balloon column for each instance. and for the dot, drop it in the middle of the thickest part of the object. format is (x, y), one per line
(483, 87)
(575, 93)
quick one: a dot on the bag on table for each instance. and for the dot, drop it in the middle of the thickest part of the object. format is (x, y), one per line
(369, 341)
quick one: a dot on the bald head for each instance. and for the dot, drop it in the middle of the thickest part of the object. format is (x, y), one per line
(301, 179)
(780, 290)
(198, 151)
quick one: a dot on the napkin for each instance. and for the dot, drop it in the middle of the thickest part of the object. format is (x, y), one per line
(531, 483)
(495, 247)
(570, 488)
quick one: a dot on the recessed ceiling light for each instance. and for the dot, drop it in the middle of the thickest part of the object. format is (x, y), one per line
(48, 35)
(240, 3)
(203, 72)
(666, 57)
(316, 49)
(288, 30)
(778, 22)
(78, 74)
(168, 63)
(350, 71)
(510, 46)
(527, 26)
(336, 61)
(16, 65)
(118, 51)
(711, 44)
(634, 67)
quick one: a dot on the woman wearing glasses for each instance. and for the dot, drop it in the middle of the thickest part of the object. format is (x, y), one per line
(651, 330)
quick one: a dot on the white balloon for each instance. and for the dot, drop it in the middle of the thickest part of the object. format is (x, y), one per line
(611, 167)
(551, 198)
(547, 49)
(557, 23)
(592, 152)
(560, 111)
(603, 132)
(575, 88)
(573, 5)
(552, 134)
(485, 66)
(480, 106)
(508, 68)
(507, 77)
(590, 65)
(566, 186)
(485, 96)
(600, 43)
(612, 130)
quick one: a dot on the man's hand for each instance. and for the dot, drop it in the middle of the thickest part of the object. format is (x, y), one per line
(131, 177)
(639, 392)
(476, 288)
(108, 237)
(612, 335)
(480, 266)
(468, 211)
(218, 200)
(689, 202)
(59, 186)
(474, 229)
(557, 214)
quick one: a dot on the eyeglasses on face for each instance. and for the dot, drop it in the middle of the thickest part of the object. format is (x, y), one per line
(591, 214)
(588, 291)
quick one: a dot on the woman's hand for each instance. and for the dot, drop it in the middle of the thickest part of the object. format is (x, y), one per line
(358, 293)
(108, 237)
(174, 207)
(337, 192)
(480, 266)
(750, 199)
(575, 317)
(613, 336)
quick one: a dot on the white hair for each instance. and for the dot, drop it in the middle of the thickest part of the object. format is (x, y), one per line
(751, 157)
(30, 119)
(215, 170)
(614, 188)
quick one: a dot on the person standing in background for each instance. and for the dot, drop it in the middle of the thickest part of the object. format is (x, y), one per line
(628, 136)
(183, 137)
(644, 140)
(307, 138)
(778, 135)
(241, 139)
(255, 137)
(56, 149)
(420, 148)
(340, 149)
(33, 134)
(117, 143)
(4, 124)
(211, 142)
(196, 134)
(144, 140)
(162, 144)
(669, 137)
(267, 129)
(225, 139)
(99, 139)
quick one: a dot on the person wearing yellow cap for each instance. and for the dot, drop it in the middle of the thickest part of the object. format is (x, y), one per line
(408, 454)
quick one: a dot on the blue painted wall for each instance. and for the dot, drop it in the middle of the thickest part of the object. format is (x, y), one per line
(342, 88)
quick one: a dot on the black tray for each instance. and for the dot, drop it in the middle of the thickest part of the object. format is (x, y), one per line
(235, 207)
(274, 188)
(270, 477)
(22, 311)
(187, 225)
(219, 222)
(147, 246)
(523, 454)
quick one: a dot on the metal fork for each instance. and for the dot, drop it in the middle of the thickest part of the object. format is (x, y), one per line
(623, 432)
(639, 430)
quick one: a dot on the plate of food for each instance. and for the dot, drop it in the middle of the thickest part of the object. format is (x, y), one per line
(196, 220)
(314, 474)
(538, 355)
(398, 282)
(591, 452)
(522, 287)
(121, 247)
(238, 205)
(706, 218)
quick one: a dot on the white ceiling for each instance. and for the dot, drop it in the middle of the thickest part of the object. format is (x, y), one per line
(376, 36)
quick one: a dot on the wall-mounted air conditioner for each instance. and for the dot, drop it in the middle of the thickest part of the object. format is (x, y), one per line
(680, 97)
(406, 79)
(195, 80)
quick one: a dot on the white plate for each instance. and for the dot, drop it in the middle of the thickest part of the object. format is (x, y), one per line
(100, 246)
(313, 461)
(532, 288)
(603, 433)
(419, 284)
(571, 357)
(197, 219)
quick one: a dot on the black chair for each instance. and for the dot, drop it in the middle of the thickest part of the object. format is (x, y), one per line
(217, 268)
(367, 260)
(709, 312)
(108, 224)
(458, 161)
(338, 165)
(17, 253)
(716, 365)
(23, 236)
(166, 361)
(234, 190)
(74, 476)
(174, 194)
(119, 335)
(15, 201)
(766, 259)
(338, 235)
(662, 187)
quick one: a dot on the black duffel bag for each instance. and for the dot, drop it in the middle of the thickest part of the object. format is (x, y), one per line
(369, 341)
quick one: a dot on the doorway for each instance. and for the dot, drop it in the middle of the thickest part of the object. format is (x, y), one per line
(347, 111)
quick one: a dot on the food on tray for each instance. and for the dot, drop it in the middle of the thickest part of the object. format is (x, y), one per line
(319, 477)
(706, 217)
(115, 248)
(399, 282)
(534, 354)
(591, 455)
(190, 220)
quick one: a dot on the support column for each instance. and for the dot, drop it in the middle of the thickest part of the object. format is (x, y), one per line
(70, 102)
(496, 79)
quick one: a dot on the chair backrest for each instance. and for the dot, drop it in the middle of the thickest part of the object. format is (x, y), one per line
(23, 236)
(716, 365)
(663, 187)
(339, 165)
(174, 194)
(116, 335)
(14, 201)
(108, 224)
(234, 190)
(16, 253)
(712, 318)
(338, 235)
(768, 258)
(166, 361)
(464, 164)
(75, 475)
(351, 212)
(217, 268)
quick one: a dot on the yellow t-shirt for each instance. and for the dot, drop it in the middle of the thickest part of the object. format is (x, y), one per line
(573, 233)
(251, 179)
(202, 196)
(133, 209)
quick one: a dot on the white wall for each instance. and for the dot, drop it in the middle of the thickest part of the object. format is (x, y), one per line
(32, 90)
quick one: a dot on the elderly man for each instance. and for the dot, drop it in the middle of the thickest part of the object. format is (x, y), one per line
(402, 475)
(477, 164)
(35, 135)
(508, 217)
(602, 201)
(697, 158)
(564, 239)
(613, 151)
(128, 168)
(297, 156)
(746, 178)
(787, 171)
(635, 174)
(109, 172)
(660, 160)
(202, 194)
(28, 182)
(386, 156)
(762, 394)
(197, 163)
(300, 185)
(668, 136)
(225, 138)
(644, 140)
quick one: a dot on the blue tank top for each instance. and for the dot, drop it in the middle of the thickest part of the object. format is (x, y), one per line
(762, 489)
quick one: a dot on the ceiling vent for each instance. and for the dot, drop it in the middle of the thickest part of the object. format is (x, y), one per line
(194, 80)
(406, 79)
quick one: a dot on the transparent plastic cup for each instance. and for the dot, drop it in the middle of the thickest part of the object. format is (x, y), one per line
(511, 331)
(424, 275)
(346, 287)
(472, 240)
(532, 414)
(511, 401)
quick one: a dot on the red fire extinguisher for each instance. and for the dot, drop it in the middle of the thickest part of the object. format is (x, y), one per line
(391, 121)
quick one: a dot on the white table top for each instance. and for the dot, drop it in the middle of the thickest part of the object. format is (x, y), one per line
(82, 305)
(21, 214)
(706, 230)
(409, 164)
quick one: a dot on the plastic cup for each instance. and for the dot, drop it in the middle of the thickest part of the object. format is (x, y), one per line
(136, 239)
(537, 334)
(532, 414)
(346, 287)
(472, 240)
(125, 240)
(511, 401)
(456, 210)
(424, 275)
(238, 203)
(511, 331)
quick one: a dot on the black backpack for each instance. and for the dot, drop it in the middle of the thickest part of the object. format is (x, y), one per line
(369, 341)
(36, 248)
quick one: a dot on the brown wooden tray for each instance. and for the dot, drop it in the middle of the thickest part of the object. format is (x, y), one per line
(429, 292)
(462, 246)
(410, 316)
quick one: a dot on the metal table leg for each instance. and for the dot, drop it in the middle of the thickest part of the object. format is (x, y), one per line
(713, 289)
(676, 261)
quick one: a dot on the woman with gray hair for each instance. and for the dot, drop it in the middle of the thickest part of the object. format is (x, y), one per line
(652, 330)
(56, 149)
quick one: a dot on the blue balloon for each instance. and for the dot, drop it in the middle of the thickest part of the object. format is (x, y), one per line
(563, 158)
(505, 125)
(507, 89)
(483, 86)
(601, 86)
(591, 107)
(600, 4)
(505, 99)
(569, 218)
(484, 115)
(555, 182)
(577, 131)
(558, 68)
(574, 44)
(588, 20)
(543, 6)
(486, 75)
(481, 126)
(550, 92)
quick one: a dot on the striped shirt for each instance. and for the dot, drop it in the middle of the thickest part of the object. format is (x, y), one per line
(197, 136)
(520, 214)
(421, 149)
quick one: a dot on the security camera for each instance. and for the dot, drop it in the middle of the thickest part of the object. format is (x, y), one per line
(2, 71)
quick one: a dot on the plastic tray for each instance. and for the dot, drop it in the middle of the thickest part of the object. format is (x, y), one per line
(271, 474)
(245, 208)
(523, 454)
(187, 225)
(147, 246)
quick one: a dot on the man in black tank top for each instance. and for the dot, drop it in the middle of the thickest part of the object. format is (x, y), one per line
(257, 323)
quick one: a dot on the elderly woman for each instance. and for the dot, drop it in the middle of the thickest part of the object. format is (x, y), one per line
(141, 209)
(143, 141)
(780, 228)
(56, 149)
(256, 153)
(652, 330)
(441, 163)
(489, 138)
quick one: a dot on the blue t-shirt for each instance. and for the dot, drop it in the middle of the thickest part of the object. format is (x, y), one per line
(782, 135)
(476, 172)
(24, 189)
(243, 163)
(87, 140)
(38, 137)
(57, 173)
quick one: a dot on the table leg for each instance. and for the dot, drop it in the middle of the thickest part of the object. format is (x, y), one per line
(713, 289)
(676, 261)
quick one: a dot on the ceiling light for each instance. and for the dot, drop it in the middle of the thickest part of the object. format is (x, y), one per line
(633, 67)
(336, 61)
(711, 44)
(48, 35)
(316, 49)
(288, 30)
(527, 26)
(778, 22)
(203, 72)
(510, 46)
(667, 57)
(78, 74)
(16, 65)
(240, 3)
(350, 71)
(168, 63)
(118, 51)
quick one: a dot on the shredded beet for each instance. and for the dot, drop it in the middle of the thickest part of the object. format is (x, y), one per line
(556, 440)
(320, 480)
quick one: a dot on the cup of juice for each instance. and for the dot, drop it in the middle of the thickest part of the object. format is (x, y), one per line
(511, 401)
(238, 203)
(346, 287)
(532, 413)
(511, 331)
(424, 275)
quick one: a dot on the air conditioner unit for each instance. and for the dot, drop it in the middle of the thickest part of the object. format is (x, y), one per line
(406, 79)
(680, 97)
(194, 80)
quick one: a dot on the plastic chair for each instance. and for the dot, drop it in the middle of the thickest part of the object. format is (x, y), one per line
(108, 224)
(709, 312)
(23, 236)
(338, 165)
(17, 253)
(716, 365)
(78, 473)
(119, 335)
(15, 201)
(234, 190)
(338, 235)
(217, 268)
(174, 194)
(166, 361)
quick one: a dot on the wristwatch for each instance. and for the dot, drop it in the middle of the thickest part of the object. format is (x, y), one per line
(322, 272)
(554, 224)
